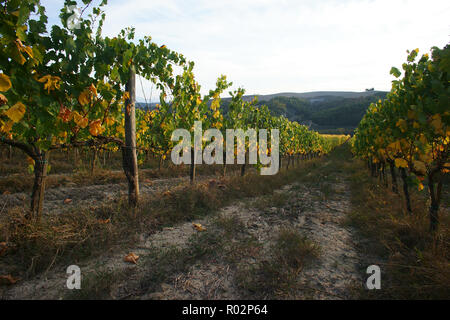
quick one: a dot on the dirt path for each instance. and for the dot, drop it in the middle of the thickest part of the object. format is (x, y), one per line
(327, 277)
(235, 258)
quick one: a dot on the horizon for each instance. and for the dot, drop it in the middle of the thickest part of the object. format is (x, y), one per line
(285, 94)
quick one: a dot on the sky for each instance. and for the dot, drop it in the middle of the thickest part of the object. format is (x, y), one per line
(271, 46)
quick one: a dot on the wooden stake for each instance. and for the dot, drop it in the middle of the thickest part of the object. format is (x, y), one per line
(130, 165)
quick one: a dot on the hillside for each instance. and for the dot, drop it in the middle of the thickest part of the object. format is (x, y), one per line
(325, 111)
(316, 95)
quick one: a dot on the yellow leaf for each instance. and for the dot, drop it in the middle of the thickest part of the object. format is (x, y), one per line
(198, 227)
(95, 128)
(395, 146)
(110, 121)
(16, 112)
(5, 83)
(6, 128)
(44, 78)
(84, 98)
(51, 82)
(81, 121)
(17, 56)
(420, 186)
(93, 90)
(401, 163)
(29, 51)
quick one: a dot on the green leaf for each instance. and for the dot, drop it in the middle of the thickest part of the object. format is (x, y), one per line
(395, 72)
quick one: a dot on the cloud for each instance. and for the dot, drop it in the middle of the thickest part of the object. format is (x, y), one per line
(270, 46)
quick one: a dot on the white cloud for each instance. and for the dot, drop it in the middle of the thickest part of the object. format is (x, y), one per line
(270, 46)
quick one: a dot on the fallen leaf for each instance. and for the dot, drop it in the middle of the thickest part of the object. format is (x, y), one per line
(131, 257)
(198, 227)
(101, 221)
(9, 279)
(67, 201)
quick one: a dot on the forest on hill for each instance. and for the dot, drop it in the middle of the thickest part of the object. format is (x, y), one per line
(325, 113)
(329, 112)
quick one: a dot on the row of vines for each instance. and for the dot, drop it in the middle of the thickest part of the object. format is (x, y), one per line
(63, 87)
(409, 131)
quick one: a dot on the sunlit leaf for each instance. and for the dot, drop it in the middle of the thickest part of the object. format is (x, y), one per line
(401, 163)
(5, 82)
(16, 112)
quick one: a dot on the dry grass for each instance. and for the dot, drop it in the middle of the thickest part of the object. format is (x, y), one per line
(416, 264)
(14, 175)
(83, 233)
(275, 277)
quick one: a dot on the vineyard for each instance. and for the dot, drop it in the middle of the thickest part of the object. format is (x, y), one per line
(83, 95)
(409, 130)
(86, 177)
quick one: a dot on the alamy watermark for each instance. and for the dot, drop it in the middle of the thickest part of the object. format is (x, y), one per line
(74, 279)
(213, 153)
(374, 281)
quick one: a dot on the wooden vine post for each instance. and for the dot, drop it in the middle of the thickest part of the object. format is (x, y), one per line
(37, 195)
(130, 165)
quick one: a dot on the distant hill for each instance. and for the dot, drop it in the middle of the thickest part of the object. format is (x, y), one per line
(325, 111)
(316, 95)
